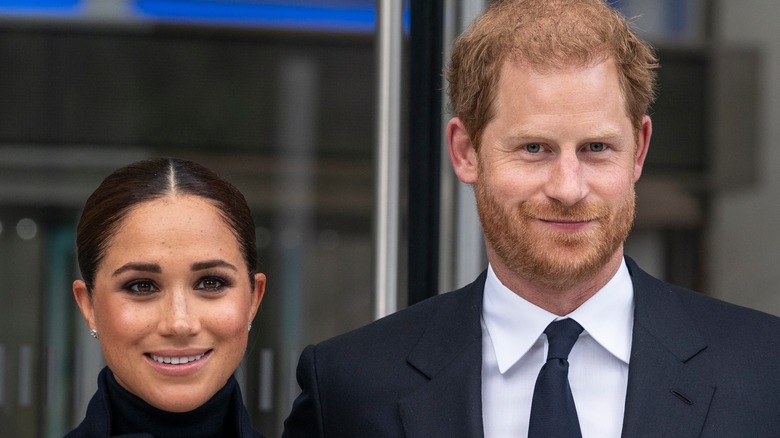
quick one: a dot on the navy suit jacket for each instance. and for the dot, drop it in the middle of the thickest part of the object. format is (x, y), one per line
(699, 367)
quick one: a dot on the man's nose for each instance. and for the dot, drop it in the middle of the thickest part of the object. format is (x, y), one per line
(566, 182)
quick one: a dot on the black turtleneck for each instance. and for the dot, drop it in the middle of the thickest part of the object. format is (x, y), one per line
(130, 414)
(115, 412)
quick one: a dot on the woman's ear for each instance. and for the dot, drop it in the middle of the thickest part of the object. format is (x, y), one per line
(84, 301)
(257, 295)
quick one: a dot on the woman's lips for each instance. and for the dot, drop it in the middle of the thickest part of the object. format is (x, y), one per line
(178, 363)
(176, 360)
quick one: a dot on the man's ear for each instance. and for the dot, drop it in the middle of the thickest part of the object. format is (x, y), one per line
(642, 145)
(84, 301)
(463, 155)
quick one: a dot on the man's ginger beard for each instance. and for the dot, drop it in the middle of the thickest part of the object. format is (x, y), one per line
(558, 260)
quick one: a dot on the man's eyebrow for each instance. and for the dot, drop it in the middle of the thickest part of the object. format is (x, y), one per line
(137, 266)
(606, 133)
(199, 266)
(528, 133)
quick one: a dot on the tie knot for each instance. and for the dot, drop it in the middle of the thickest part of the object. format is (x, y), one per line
(561, 336)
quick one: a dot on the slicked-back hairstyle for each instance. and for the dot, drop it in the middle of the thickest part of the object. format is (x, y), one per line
(145, 181)
(545, 35)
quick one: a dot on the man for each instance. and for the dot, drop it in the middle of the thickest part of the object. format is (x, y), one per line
(551, 129)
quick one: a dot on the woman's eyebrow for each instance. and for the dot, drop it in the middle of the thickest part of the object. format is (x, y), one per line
(137, 266)
(199, 266)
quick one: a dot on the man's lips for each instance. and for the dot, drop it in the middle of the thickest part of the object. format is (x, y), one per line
(568, 223)
(567, 220)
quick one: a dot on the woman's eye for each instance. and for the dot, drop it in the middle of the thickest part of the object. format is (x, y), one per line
(596, 147)
(141, 287)
(210, 283)
(533, 148)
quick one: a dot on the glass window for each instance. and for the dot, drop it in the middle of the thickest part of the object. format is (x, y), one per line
(286, 113)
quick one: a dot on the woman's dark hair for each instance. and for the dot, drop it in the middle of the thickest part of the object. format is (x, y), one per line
(148, 180)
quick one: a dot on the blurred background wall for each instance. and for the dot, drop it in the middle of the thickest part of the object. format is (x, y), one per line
(280, 97)
(745, 240)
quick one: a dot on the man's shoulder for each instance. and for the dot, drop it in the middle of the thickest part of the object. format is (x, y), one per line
(721, 319)
(715, 318)
(402, 329)
(709, 304)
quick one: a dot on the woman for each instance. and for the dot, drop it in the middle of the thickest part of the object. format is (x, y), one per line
(167, 255)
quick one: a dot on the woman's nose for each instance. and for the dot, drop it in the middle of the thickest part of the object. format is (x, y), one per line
(178, 315)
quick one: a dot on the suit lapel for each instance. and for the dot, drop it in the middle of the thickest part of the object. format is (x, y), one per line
(450, 354)
(664, 398)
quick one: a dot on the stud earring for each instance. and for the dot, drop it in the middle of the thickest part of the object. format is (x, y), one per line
(94, 333)
(250, 327)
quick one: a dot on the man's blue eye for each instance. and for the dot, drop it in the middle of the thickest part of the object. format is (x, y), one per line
(533, 148)
(597, 147)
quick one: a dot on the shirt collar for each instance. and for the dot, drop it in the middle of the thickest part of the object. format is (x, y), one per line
(515, 324)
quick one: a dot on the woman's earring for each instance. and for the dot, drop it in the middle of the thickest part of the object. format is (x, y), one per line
(250, 327)
(94, 333)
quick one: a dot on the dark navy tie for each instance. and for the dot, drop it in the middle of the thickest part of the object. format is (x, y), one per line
(553, 414)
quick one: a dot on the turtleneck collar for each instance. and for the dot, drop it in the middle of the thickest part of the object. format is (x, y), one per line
(218, 417)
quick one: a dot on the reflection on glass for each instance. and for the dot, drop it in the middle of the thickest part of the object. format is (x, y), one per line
(27, 228)
(287, 117)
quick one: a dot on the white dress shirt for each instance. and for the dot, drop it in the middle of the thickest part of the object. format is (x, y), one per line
(514, 349)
